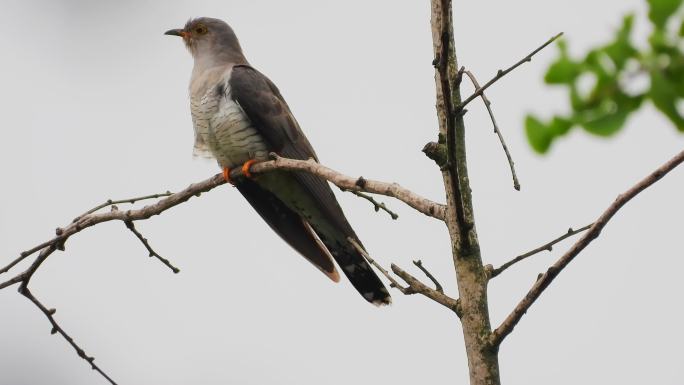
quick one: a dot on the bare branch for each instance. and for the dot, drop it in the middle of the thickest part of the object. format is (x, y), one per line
(146, 243)
(393, 282)
(58, 329)
(547, 246)
(501, 73)
(414, 285)
(345, 182)
(488, 105)
(111, 202)
(24, 254)
(92, 217)
(545, 279)
(88, 219)
(377, 206)
(419, 264)
(417, 286)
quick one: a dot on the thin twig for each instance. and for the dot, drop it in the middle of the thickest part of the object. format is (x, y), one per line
(422, 268)
(24, 254)
(547, 246)
(111, 202)
(60, 238)
(377, 206)
(58, 329)
(146, 243)
(419, 287)
(393, 282)
(502, 73)
(414, 284)
(488, 105)
(545, 279)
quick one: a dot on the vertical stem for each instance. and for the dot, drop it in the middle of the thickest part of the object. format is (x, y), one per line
(470, 274)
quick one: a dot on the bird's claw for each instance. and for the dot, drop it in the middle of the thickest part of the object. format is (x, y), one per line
(245, 168)
(226, 175)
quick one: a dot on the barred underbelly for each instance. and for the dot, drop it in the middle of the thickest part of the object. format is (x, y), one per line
(232, 138)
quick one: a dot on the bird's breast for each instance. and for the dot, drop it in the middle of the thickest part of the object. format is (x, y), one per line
(222, 129)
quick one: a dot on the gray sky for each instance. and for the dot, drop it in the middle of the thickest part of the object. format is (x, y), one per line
(95, 106)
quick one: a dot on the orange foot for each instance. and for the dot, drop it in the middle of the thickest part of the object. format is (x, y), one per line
(245, 168)
(226, 175)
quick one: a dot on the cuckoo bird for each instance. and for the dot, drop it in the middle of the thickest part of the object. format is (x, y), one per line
(240, 117)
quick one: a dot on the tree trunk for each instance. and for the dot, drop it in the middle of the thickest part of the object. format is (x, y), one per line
(471, 277)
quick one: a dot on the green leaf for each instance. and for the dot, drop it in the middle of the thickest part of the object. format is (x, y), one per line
(661, 10)
(606, 123)
(560, 125)
(564, 70)
(610, 115)
(621, 49)
(664, 96)
(537, 134)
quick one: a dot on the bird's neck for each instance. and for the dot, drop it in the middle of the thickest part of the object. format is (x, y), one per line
(205, 75)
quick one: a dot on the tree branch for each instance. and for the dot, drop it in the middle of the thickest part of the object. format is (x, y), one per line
(414, 285)
(547, 246)
(111, 202)
(438, 286)
(419, 287)
(92, 217)
(393, 282)
(58, 329)
(594, 231)
(488, 105)
(394, 190)
(502, 73)
(377, 206)
(146, 243)
(344, 182)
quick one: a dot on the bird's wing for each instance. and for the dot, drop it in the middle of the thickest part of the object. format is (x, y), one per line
(265, 107)
(290, 226)
(267, 110)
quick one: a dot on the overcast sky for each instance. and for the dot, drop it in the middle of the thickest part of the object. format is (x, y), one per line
(94, 106)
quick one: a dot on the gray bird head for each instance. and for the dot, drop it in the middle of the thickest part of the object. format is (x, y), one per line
(210, 40)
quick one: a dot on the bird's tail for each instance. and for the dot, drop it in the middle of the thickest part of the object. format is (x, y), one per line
(358, 270)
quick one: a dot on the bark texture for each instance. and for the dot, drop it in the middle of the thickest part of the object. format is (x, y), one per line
(470, 273)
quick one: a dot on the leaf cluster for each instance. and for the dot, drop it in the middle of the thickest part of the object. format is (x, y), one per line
(600, 84)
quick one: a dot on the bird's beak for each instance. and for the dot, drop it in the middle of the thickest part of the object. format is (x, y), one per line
(176, 32)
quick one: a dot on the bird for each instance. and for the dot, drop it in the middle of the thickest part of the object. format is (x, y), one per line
(240, 117)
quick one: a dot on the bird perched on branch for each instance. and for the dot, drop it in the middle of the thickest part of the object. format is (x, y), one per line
(239, 117)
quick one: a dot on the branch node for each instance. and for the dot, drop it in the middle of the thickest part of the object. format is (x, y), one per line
(437, 152)
(377, 206)
(419, 264)
(546, 247)
(497, 131)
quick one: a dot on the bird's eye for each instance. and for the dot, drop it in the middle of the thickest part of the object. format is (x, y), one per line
(200, 30)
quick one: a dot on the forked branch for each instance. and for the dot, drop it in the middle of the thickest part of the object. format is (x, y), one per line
(93, 217)
(501, 73)
(594, 231)
(488, 105)
(545, 247)
(415, 286)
